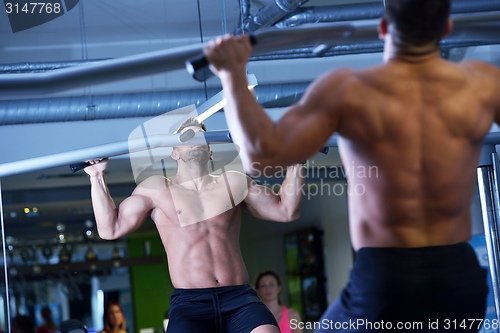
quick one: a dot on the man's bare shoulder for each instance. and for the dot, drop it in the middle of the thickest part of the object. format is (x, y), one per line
(342, 83)
(485, 77)
(238, 181)
(233, 176)
(152, 183)
(337, 77)
(328, 90)
(481, 67)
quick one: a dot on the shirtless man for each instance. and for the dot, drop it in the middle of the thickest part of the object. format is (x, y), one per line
(420, 120)
(198, 218)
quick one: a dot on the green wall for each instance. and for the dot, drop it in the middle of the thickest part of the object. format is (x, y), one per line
(151, 285)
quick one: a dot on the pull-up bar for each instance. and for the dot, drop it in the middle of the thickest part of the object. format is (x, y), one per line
(269, 40)
(154, 141)
(120, 148)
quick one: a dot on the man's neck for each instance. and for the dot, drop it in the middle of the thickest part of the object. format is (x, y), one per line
(193, 176)
(413, 54)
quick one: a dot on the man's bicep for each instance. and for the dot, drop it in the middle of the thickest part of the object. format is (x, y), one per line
(132, 212)
(497, 94)
(302, 132)
(308, 125)
(261, 201)
(489, 81)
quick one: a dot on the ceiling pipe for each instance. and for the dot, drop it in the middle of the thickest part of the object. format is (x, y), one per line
(40, 67)
(76, 108)
(470, 29)
(354, 12)
(267, 15)
(245, 12)
(369, 11)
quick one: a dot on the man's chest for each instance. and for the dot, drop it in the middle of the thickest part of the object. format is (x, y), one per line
(186, 206)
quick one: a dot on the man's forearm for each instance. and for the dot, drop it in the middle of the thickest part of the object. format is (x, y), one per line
(251, 128)
(291, 191)
(104, 207)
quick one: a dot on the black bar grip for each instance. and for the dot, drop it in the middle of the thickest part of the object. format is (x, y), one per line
(197, 66)
(79, 166)
(324, 150)
(188, 135)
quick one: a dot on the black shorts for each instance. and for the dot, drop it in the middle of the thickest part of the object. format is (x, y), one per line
(234, 309)
(428, 289)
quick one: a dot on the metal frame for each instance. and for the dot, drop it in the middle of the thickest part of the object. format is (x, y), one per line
(488, 184)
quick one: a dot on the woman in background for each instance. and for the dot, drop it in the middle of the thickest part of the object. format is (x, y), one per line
(114, 321)
(48, 326)
(268, 287)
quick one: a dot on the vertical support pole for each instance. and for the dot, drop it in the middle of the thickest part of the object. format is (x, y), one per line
(4, 248)
(488, 184)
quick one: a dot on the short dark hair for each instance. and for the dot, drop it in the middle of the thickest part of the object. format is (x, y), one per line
(191, 122)
(268, 273)
(418, 22)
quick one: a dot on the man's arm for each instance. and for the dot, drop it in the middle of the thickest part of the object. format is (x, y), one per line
(298, 135)
(294, 314)
(112, 222)
(284, 206)
(489, 82)
(496, 74)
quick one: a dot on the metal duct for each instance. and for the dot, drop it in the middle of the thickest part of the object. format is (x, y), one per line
(39, 67)
(470, 29)
(368, 11)
(474, 6)
(308, 52)
(61, 109)
(245, 12)
(270, 14)
(365, 11)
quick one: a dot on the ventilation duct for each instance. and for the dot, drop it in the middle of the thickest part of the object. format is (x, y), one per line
(369, 11)
(40, 67)
(61, 109)
(366, 11)
(267, 15)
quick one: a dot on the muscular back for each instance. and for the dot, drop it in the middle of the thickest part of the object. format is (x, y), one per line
(411, 139)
